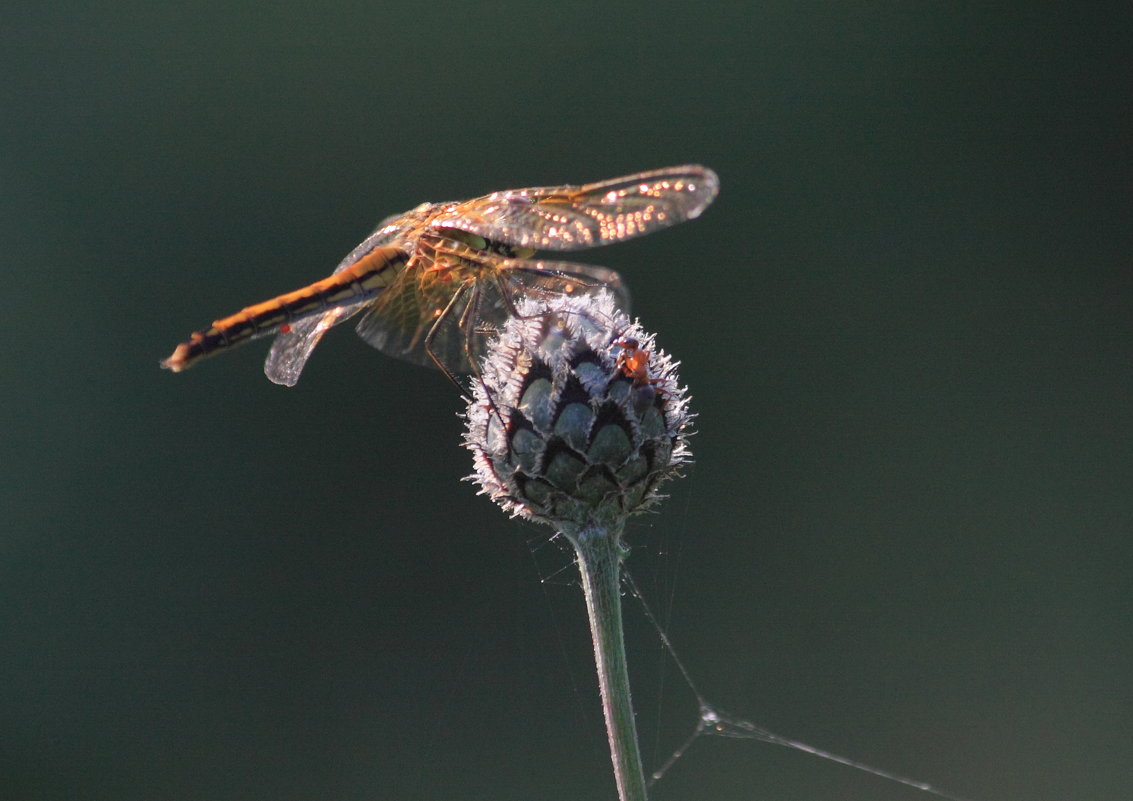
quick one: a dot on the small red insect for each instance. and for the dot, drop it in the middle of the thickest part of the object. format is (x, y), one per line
(633, 361)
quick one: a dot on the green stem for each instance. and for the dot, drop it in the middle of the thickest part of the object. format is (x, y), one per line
(599, 553)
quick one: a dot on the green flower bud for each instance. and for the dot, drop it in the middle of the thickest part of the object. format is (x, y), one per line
(575, 420)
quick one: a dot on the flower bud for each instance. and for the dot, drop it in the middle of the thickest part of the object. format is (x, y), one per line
(575, 420)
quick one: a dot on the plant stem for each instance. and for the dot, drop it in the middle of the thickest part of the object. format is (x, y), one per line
(599, 553)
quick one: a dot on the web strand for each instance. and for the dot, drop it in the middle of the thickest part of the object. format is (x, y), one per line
(714, 722)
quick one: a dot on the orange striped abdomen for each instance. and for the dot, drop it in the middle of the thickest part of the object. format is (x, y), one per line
(359, 281)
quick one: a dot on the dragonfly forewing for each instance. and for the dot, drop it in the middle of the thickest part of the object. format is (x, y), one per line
(578, 217)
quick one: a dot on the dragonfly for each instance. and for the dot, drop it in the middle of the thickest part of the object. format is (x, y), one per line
(431, 285)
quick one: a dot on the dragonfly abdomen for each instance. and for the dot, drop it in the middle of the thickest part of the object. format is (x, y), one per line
(357, 282)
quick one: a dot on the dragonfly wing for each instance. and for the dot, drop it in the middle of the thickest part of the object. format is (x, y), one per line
(292, 347)
(450, 327)
(577, 217)
(397, 323)
(492, 302)
(391, 228)
(543, 279)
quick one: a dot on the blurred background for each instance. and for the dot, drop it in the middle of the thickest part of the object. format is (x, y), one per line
(906, 325)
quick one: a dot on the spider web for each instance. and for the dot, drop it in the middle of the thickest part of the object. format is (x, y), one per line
(712, 721)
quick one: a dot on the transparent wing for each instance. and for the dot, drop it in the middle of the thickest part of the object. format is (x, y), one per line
(495, 301)
(544, 279)
(292, 347)
(576, 217)
(399, 320)
(453, 326)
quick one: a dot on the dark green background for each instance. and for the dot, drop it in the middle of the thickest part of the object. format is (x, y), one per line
(906, 324)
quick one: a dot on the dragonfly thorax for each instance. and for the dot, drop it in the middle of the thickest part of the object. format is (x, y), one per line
(477, 242)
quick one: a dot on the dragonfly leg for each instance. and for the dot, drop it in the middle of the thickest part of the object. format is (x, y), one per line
(435, 329)
(467, 327)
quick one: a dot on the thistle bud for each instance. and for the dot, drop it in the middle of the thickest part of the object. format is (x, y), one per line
(576, 420)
